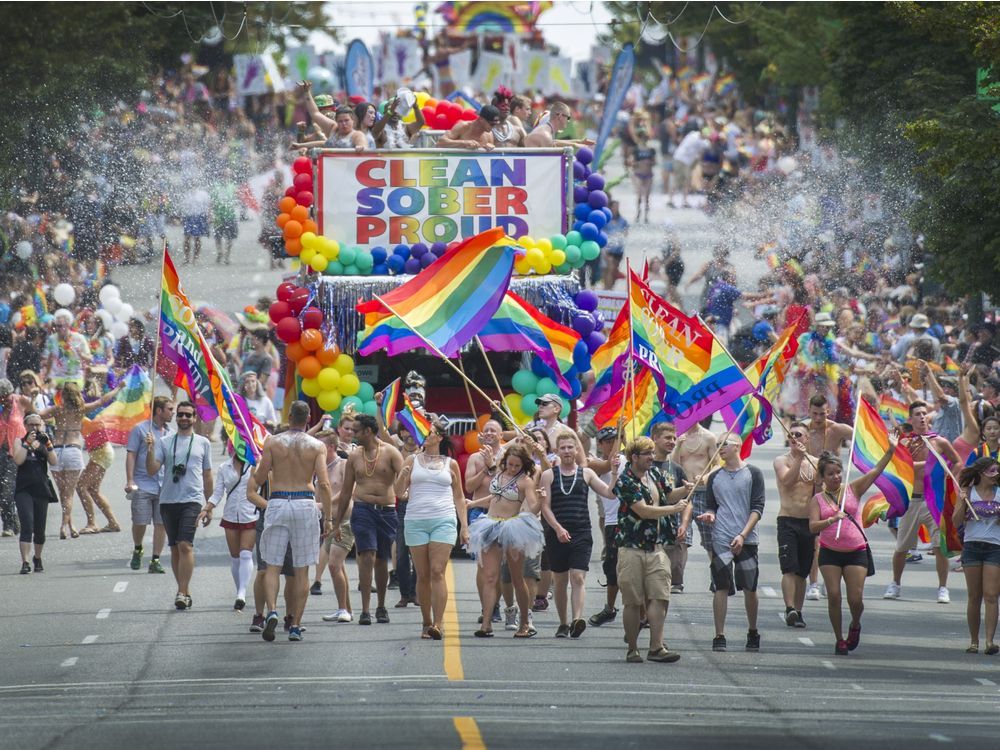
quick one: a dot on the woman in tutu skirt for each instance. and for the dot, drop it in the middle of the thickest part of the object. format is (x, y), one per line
(509, 528)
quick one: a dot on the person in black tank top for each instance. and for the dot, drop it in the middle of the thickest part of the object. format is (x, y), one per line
(568, 538)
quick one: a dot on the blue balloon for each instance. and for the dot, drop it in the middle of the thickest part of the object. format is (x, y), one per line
(580, 194)
(576, 388)
(595, 181)
(597, 218)
(402, 251)
(427, 258)
(579, 171)
(438, 248)
(597, 198)
(581, 356)
(380, 269)
(582, 211)
(607, 212)
(602, 239)
(576, 225)
(379, 255)
(396, 263)
(588, 231)
(412, 266)
(541, 369)
(418, 251)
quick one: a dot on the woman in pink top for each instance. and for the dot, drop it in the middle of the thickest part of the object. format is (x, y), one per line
(843, 548)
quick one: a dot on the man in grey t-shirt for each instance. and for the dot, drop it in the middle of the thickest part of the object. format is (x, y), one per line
(142, 488)
(735, 501)
(187, 483)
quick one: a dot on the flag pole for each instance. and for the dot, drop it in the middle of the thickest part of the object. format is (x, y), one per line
(506, 410)
(718, 449)
(940, 458)
(468, 393)
(631, 343)
(847, 470)
(156, 338)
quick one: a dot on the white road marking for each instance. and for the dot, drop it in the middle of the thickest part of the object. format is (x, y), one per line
(983, 681)
(120, 587)
(768, 591)
(806, 641)
(103, 614)
(828, 664)
(939, 738)
(69, 662)
(90, 639)
(857, 687)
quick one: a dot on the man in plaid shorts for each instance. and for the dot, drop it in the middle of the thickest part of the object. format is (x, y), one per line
(292, 461)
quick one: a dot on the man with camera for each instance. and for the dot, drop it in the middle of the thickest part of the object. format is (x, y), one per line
(186, 486)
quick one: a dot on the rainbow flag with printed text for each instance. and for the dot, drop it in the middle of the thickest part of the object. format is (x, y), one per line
(416, 422)
(131, 407)
(871, 441)
(389, 398)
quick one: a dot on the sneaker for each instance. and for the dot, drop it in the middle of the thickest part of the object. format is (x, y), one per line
(345, 616)
(287, 624)
(270, 625)
(316, 589)
(496, 614)
(603, 617)
(188, 601)
(753, 640)
(37, 561)
(943, 596)
(812, 593)
(719, 643)
(335, 617)
(853, 637)
(841, 648)
(577, 628)
(677, 588)
(799, 622)
(381, 615)
(913, 557)
(294, 633)
(25, 568)
(239, 604)
(541, 604)
(155, 566)
(632, 656)
(531, 625)
(510, 618)
(663, 655)
(365, 619)
(393, 580)
(257, 624)
(791, 617)
(562, 631)
(891, 591)
(136, 562)
(180, 602)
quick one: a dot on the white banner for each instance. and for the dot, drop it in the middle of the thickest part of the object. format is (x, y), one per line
(251, 75)
(392, 197)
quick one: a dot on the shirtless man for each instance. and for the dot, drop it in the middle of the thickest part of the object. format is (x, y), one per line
(694, 451)
(509, 133)
(796, 475)
(544, 134)
(917, 513)
(369, 476)
(296, 463)
(547, 418)
(473, 135)
(335, 551)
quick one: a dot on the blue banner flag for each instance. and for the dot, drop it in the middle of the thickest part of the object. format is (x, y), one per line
(618, 86)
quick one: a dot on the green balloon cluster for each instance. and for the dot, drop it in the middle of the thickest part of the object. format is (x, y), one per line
(528, 387)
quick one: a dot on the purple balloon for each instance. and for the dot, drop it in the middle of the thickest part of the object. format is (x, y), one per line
(599, 322)
(579, 171)
(585, 155)
(586, 300)
(595, 181)
(583, 324)
(427, 258)
(594, 340)
(580, 194)
(418, 250)
(412, 265)
(438, 248)
(597, 199)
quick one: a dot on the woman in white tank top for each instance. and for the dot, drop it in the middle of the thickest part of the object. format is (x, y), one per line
(435, 513)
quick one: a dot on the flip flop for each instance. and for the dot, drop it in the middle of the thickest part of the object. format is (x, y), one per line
(90, 530)
(435, 633)
(483, 634)
(424, 634)
(525, 634)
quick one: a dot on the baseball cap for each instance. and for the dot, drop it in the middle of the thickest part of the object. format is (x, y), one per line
(548, 398)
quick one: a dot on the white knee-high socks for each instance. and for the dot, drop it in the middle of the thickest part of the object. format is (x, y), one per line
(246, 567)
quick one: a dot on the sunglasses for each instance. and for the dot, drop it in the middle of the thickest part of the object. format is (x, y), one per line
(797, 435)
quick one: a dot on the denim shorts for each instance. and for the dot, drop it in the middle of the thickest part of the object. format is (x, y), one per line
(374, 528)
(420, 531)
(976, 554)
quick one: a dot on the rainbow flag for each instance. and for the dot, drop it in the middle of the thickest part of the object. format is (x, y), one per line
(941, 494)
(39, 301)
(950, 366)
(416, 422)
(517, 326)
(647, 406)
(206, 382)
(447, 303)
(389, 398)
(131, 407)
(700, 79)
(875, 509)
(725, 83)
(892, 410)
(741, 417)
(871, 441)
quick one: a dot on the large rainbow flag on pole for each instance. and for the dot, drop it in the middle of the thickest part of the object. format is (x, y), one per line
(131, 407)
(206, 382)
(446, 304)
(871, 441)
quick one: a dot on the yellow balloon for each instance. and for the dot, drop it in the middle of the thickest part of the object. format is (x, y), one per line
(328, 379)
(307, 254)
(349, 384)
(522, 266)
(422, 97)
(308, 239)
(318, 263)
(513, 401)
(310, 387)
(409, 117)
(526, 242)
(330, 249)
(557, 257)
(545, 245)
(543, 267)
(534, 257)
(328, 400)
(344, 365)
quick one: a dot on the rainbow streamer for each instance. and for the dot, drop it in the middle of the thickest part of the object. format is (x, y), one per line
(951, 367)
(941, 494)
(131, 407)
(446, 304)
(892, 410)
(389, 398)
(871, 442)
(416, 422)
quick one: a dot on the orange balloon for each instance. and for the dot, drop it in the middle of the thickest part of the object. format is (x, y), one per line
(471, 441)
(286, 204)
(282, 220)
(292, 229)
(299, 213)
(295, 352)
(310, 226)
(311, 340)
(309, 367)
(293, 247)
(432, 103)
(482, 419)
(328, 355)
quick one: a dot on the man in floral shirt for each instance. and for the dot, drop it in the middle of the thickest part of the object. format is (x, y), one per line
(66, 352)
(643, 565)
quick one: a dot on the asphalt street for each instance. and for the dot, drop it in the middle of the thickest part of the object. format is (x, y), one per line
(93, 654)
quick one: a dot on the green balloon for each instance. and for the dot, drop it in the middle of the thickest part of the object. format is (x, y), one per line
(590, 250)
(559, 242)
(564, 268)
(335, 268)
(348, 254)
(352, 270)
(366, 392)
(564, 411)
(364, 261)
(335, 415)
(546, 385)
(573, 254)
(524, 382)
(370, 408)
(355, 402)
(528, 405)
(574, 238)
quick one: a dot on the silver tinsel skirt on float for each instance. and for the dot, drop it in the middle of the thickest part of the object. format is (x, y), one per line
(523, 532)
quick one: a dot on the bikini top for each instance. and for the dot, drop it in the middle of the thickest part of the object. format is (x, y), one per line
(506, 492)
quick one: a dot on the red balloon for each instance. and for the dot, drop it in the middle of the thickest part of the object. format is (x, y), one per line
(298, 300)
(279, 310)
(463, 460)
(290, 192)
(428, 113)
(442, 107)
(284, 291)
(469, 115)
(303, 182)
(304, 198)
(457, 444)
(302, 165)
(312, 317)
(288, 329)
(441, 122)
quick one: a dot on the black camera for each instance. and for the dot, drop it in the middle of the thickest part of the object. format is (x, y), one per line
(177, 472)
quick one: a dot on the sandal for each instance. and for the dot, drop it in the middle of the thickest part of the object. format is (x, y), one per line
(435, 633)
(992, 650)
(90, 530)
(111, 527)
(526, 633)
(74, 533)
(972, 649)
(424, 634)
(483, 633)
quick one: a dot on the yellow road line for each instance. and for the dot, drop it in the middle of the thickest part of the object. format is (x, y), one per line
(452, 645)
(468, 732)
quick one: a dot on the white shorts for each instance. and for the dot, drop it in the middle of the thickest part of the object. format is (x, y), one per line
(68, 458)
(292, 521)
